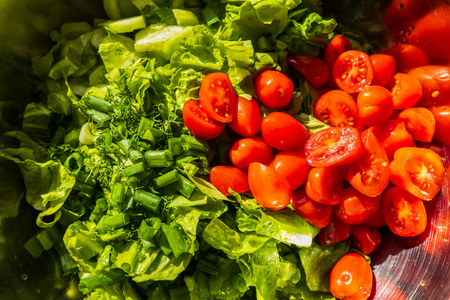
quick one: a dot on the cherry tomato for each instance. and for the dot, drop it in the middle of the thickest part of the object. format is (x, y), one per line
(407, 57)
(338, 109)
(199, 123)
(225, 177)
(336, 231)
(405, 214)
(338, 45)
(420, 122)
(419, 171)
(392, 135)
(406, 91)
(274, 89)
(248, 150)
(247, 121)
(312, 68)
(435, 84)
(293, 166)
(365, 238)
(377, 220)
(383, 69)
(353, 71)
(375, 105)
(270, 189)
(217, 97)
(442, 117)
(351, 278)
(333, 147)
(355, 207)
(315, 213)
(325, 185)
(283, 132)
(370, 173)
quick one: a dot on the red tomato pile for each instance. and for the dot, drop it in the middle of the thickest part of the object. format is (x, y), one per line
(363, 172)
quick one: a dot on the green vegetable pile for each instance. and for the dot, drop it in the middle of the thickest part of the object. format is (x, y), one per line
(118, 180)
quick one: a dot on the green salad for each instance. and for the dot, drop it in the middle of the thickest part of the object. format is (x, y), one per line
(121, 185)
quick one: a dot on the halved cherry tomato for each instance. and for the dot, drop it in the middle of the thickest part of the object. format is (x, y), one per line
(375, 105)
(351, 278)
(333, 146)
(405, 214)
(353, 71)
(370, 173)
(407, 57)
(217, 97)
(377, 220)
(247, 121)
(442, 117)
(392, 135)
(314, 69)
(225, 177)
(338, 45)
(419, 171)
(420, 122)
(406, 91)
(365, 238)
(338, 109)
(274, 89)
(292, 165)
(325, 185)
(383, 69)
(283, 132)
(435, 83)
(315, 213)
(269, 188)
(199, 123)
(336, 231)
(355, 207)
(248, 150)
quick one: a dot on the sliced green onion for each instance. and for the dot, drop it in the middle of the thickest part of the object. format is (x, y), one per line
(118, 191)
(179, 293)
(74, 163)
(112, 222)
(124, 145)
(175, 239)
(184, 186)
(210, 15)
(202, 284)
(148, 228)
(175, 146)
(136, 156)
(148, 200)
(207, 267)
(58, 138)
(34, 247)
(135, 169)
(90, 283)
(159, 158)
(97, 103)
(166, 179)
(97, 116)
(193, 143)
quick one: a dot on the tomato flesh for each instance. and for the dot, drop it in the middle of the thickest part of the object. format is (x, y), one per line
(435, 85)
(406, 91)
(353, 71)
(338, 45)
(392, 135)
(419, 122)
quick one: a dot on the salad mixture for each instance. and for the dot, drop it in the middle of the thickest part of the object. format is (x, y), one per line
(228, 149)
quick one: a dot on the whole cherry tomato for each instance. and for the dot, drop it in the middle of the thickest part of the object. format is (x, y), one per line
(248, 150)
(325, 185)
(217, 97)
(315, 213)
(247, 121)
(435, 84)
(419, 171)
(225, 177)
(392, 135)
(383, 69)
(351, 278)
(312, 68)
(199, 123)
(375, 105)
(283, 132)
(419, 122)
(355, 207)
(293, 166)
(353, 71)
(377, 220)
(406, 91)
(274, 89)
(404, 213)
(442, 117)
(336, 231)
(407, 57)
(270, 189)
(338, 45)
(333, 147)
(365, 238)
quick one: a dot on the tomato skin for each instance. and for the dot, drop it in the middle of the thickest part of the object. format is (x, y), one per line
(419, 171)
(365, 238)
(376, 220)
(314, 69)
(217, 97)
(407, 57)
(274, 89)
(283, 132)
(375, 105)
(435, 84)
(325, 185)
(315, 213)
(404, 213)
(351, 278)
(247, 121)
(336, 231)
(353, 71)
(338, 45)
(293, 166)
(406, 91)
(199, 123)
(442, 117)
(383, 69)
(420, 122)
(392, 135)
(338, 109)
(270, 189)
(333, 147)
(355, 207)
(224, 177)
(248, 150)
(370, 173)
